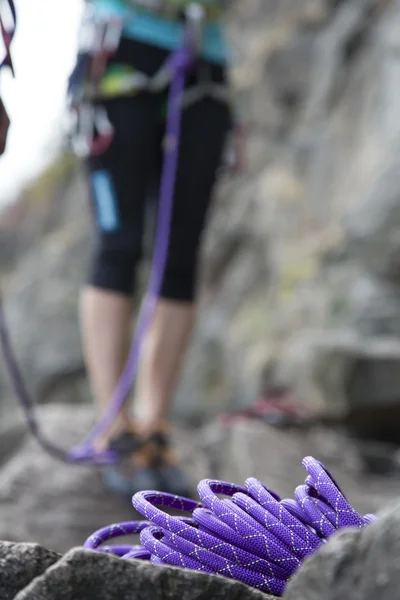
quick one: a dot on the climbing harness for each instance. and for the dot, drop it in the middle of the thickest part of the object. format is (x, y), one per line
(177, 66)
(90, 132)
(251, 535)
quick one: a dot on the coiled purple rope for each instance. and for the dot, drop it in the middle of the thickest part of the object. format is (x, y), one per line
(250, 535)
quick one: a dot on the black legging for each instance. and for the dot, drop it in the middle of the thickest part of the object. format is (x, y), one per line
(122, 176)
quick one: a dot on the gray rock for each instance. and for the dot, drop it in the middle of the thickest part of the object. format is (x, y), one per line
(86, 575)
(375, 306)
(44, 327)
(20, 564)
(374, 240)
(356, 565)
(347, 377)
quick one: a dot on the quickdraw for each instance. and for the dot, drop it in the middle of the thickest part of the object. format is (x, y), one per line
(90, 130)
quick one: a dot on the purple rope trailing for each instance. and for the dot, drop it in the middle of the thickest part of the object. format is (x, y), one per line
(176, 66)
(250, 535)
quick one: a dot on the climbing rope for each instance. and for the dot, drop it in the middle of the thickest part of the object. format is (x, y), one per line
(250, 535)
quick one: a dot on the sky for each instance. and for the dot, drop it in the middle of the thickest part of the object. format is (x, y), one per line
(43, 54)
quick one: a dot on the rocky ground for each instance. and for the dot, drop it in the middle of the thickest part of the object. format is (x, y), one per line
(59, 506)
(301, 286)
(358, 565)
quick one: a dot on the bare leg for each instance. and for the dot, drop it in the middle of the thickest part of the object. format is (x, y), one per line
(161, 359)
(106, 319)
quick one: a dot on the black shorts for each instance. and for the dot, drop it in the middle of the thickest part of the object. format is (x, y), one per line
(121, 179)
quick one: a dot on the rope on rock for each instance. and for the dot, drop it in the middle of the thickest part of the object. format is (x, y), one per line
(250, 535)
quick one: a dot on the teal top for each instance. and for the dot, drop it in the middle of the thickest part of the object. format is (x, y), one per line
(154, 28)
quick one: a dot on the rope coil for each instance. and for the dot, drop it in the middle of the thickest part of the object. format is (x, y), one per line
(251, 535)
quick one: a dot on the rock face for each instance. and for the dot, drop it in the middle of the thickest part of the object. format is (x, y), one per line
(358, 565)
(42, 292)
(324, 314)
(328, 199)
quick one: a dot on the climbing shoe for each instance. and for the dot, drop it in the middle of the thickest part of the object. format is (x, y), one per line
(173, 478)
(134, 471)
(145, 463)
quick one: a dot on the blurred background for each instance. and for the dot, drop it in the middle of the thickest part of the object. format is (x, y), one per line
(300, 279)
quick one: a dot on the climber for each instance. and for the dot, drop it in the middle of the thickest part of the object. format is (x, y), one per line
(121, 175)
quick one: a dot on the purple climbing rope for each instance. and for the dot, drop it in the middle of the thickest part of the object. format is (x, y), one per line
(177, 65)
(250, 535)
(175, 68)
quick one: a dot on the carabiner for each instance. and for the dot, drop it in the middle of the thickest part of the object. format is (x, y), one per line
(105, 130)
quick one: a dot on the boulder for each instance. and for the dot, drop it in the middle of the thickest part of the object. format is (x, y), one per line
(20, 564)
(94, 576)
(354, 564)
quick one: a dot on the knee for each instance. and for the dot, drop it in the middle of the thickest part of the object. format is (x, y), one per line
(181, 269)
(179, 281)
(115, 263)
